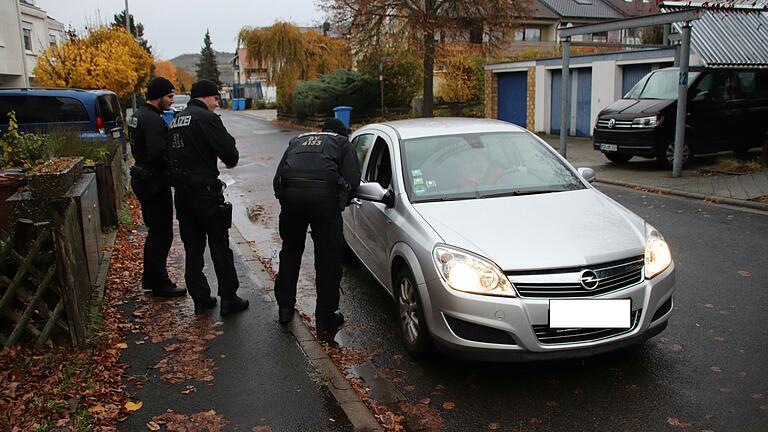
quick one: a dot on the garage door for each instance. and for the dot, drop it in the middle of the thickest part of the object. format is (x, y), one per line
(631, 74)
(513, 97)
(581, 106)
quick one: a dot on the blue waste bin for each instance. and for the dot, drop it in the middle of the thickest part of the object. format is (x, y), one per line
(168, 116)
(235, 105)
(241, 104)
(342, 113)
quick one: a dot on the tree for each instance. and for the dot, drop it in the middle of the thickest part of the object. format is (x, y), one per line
(184, 79)
(464, 79)
(105, 58)
(402, 74)
(377, 24)
(291, 55)
(206, 67)
(137, 29)
(167, 70)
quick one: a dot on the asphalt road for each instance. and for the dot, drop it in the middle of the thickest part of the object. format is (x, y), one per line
(706, 372)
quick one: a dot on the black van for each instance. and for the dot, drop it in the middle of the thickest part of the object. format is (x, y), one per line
(95, 113)
(727, 110)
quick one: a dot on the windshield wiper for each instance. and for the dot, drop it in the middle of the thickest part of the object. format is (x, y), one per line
(450, 198)
(518, 192)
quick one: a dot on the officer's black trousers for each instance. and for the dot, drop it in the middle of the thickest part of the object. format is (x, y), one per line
(301, 208)
(157, 211)
(200, 219)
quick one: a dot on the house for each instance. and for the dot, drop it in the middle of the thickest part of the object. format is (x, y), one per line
(250, 78)
(25, 31)
(528, 93)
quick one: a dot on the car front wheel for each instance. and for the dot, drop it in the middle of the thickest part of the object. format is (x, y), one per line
(618, 157)
(666, 155)
(413, 326)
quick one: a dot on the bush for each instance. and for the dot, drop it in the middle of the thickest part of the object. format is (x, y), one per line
(464, 79)
(343, 87)
(22, 150)
(403, 75)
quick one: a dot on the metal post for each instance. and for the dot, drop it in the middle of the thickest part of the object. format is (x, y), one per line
(128, 29)
(381, 84)
(682, 100)
(565, 100)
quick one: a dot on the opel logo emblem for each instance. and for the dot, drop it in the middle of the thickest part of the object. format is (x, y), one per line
(611, 123)
(588, 280)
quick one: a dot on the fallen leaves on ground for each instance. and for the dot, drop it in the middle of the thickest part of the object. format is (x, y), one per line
(677, 423)
(743, 273)
(133, 406)
(449, 405)
(204, 421)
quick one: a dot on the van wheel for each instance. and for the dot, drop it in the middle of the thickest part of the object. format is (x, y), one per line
(413, 326)
(618, 157)
(666, 155)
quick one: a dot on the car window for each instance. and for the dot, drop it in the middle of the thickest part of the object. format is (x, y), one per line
(109, 107)
(362, 143)
(379, 168)
(180, 99)
(469, 166)
(660, 84)
(43, 109)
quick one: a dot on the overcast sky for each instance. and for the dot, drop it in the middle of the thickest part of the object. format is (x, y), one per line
(176, 27)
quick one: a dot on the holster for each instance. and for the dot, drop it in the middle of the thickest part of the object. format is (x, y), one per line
(225, 213)
(140, 173)
(343, 193)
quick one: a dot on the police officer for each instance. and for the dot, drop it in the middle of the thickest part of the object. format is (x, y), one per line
(197, 139)
(315, 180)
(148, 133)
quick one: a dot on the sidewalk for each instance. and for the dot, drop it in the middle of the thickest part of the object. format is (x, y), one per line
(243, 372)
(740, 190)
(264, 114)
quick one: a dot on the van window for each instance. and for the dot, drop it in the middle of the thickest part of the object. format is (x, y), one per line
(43, 109)
(660, 84)
(109, 107)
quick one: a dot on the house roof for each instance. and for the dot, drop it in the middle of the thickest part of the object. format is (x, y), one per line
(540, 11)
(244, 62)
(634, 8)
(594, 9)
(730, 37)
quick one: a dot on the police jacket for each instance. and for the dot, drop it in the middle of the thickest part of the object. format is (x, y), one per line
(319, 156)
(197, 138)
(148, 133)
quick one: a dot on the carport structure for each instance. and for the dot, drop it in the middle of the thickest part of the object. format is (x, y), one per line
(724, 36)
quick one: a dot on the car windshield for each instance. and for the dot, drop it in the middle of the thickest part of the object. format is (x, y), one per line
(180, 99)
(482, 165)
(658, 85)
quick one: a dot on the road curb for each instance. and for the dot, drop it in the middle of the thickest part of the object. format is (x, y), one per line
(693, 195)
(350, 402)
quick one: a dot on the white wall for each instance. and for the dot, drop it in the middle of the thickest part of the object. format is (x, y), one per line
(605, 75)
(10, 44)
(543, 88)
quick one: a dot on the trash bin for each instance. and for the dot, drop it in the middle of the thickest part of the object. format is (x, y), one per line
(168, 116)
(342, 113)
(234, 104)
(241, 104)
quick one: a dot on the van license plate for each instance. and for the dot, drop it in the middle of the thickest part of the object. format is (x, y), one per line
(609, 147)
(614, 313)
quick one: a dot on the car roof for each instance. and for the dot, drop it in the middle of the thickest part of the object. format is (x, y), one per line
(423, 127)
(64, 92)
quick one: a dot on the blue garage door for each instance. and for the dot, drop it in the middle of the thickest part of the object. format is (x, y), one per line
(513, 97)
(583, 103)
(631, 74)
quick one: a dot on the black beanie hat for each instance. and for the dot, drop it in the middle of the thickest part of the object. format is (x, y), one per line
(335, 125)
(159, 87)
(204, 88)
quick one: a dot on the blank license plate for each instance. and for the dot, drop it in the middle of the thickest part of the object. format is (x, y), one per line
(609, 147)
(589, 313)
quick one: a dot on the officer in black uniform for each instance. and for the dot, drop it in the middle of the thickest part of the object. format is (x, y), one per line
(315, 180)
(148, 133)
(197, 139)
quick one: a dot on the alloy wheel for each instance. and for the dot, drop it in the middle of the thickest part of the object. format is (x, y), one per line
(408, 305)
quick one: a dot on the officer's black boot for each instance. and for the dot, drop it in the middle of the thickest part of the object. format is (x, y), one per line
(232, 305)
(168, 291)
(285, 314)
(205, 305)
(329, 323)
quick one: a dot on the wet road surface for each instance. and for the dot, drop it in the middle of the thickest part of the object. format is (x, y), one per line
(706, 372)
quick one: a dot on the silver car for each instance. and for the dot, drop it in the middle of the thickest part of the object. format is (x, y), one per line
(179, 103)
(494, 247)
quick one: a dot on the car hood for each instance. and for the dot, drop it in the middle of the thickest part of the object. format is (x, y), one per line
(555, 230)
(637, 106)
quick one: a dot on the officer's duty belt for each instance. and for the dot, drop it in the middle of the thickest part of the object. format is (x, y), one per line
(301, 183)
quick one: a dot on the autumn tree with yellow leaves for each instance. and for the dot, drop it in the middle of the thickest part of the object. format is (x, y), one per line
(105, 58)
(291, 55)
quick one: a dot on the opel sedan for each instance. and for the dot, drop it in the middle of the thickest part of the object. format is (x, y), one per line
(494, 247)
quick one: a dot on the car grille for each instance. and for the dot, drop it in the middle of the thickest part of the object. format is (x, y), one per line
(550, 336)
(564, 283)
(620, 124)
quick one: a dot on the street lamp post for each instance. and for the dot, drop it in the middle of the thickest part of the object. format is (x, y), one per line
(128, 29)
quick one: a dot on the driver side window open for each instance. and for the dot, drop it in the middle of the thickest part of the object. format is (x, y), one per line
(379, 165)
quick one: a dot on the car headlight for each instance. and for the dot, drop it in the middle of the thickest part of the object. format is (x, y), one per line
(657, 254)
(470, 273)
(646, 122)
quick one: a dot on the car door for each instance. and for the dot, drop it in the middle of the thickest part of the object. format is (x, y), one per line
(362, 144)
(704, 113)
(372, 219)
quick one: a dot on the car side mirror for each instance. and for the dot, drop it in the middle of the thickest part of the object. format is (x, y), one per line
(373, 191)
(588, 174)
(701, 97)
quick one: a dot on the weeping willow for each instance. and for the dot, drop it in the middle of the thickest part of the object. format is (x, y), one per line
(290, 55)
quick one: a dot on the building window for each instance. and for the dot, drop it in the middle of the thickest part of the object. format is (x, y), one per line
(27, 39)
(519, 34)
(52, 39)
(532, 34)
(600, 37)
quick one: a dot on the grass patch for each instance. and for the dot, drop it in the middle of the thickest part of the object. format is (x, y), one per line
(124, 217)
